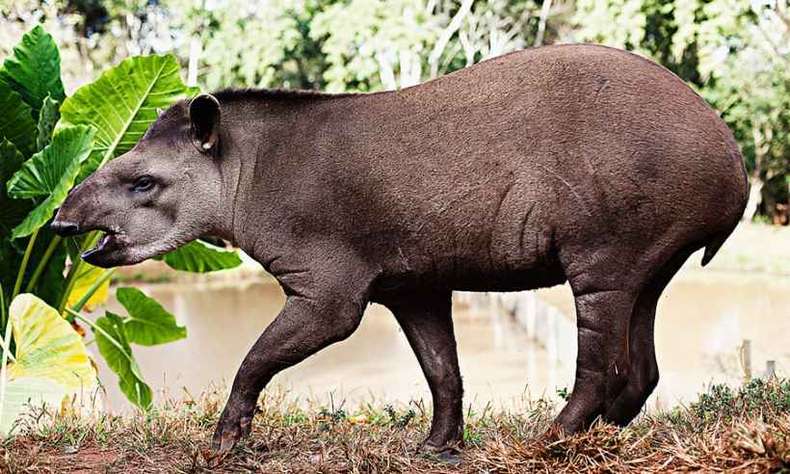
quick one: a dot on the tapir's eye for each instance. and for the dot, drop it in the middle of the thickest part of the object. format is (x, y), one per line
(143, 184)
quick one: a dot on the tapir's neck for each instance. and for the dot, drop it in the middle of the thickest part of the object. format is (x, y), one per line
(263, 138)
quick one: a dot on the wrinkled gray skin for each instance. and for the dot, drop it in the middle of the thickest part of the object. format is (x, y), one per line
(571, 163)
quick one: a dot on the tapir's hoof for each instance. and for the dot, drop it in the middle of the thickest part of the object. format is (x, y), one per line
(230, 430)
(449, 453)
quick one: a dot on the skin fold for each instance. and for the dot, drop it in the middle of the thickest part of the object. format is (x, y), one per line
(573, 163)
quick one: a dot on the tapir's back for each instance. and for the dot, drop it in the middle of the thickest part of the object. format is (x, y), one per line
(490, 169)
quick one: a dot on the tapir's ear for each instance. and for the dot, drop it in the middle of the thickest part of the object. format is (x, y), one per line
(204, 115)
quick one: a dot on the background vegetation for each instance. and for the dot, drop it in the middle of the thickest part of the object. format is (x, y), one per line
(736, 53)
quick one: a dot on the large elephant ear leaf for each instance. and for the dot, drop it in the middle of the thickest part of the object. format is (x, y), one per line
(51, 360)
(123, 103)
(200, 257)
(114, 347)
(12, 211)
(33, 70)
(50, 173)
(16, 120)
(148, 323)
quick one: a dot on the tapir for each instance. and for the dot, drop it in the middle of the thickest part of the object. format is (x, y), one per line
(575, 163)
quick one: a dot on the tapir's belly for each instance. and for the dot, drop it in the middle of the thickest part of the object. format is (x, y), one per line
(504, 245)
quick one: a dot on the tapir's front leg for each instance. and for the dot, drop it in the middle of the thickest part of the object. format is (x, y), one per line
(311, 319)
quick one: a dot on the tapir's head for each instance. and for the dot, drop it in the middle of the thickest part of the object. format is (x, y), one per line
(163, 193)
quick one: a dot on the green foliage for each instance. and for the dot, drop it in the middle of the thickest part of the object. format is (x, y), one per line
(361, 35)
(399, 420)
(240, 40)
(148, 324)
(11, 211)
(122, 103)
(33, 70)
(47, 119)
(114, 347)
(50, 173)
(201, 257)
(756, 397)
(42, 156)
(16, 121)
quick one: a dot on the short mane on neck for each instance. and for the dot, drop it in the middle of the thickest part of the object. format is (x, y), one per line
(253, 94)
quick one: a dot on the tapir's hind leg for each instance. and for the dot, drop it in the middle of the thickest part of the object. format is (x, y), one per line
(643, 374)
(427, 323)
(643, 369)
(602, 318)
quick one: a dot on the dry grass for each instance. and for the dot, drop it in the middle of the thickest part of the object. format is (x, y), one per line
(746, 430)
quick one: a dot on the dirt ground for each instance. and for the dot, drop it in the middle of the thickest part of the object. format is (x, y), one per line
(743, 430)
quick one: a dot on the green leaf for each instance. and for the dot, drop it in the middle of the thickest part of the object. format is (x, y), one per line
(51, 173)
(10, 161)
(16, 120)
(12, 211)
(200, 257)
(52, 282)
(116, 351)
(51, 359)
(10, 259)
(43, 172)
(33, 70)
(148, 323)
(49, 116)
(123, 102)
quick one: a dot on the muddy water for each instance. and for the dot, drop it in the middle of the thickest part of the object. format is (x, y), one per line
(703, 319)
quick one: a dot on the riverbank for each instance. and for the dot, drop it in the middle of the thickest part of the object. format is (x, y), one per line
(744, 430)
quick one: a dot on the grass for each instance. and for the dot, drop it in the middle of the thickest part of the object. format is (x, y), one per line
(742, 430)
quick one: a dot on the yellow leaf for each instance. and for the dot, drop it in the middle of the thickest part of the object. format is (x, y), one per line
(51, 360)
(85, 279)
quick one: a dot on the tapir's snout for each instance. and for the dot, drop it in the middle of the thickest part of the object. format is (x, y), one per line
(64, 228)
(65, 223)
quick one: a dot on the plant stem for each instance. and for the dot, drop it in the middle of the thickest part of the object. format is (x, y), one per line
(71, 278)
(6, 341)
(42, 264)
(97, 329)
(93, 288)
(2, 307)
(6, 355)
(23, 267)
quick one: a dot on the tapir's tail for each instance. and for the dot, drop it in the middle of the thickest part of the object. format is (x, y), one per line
(714, 245)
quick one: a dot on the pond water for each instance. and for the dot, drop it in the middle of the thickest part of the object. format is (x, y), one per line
(703, 319)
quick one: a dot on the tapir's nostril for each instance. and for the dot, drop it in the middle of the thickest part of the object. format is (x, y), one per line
(64, 229)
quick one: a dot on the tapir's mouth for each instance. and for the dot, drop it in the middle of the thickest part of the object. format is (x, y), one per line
(110, 243)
